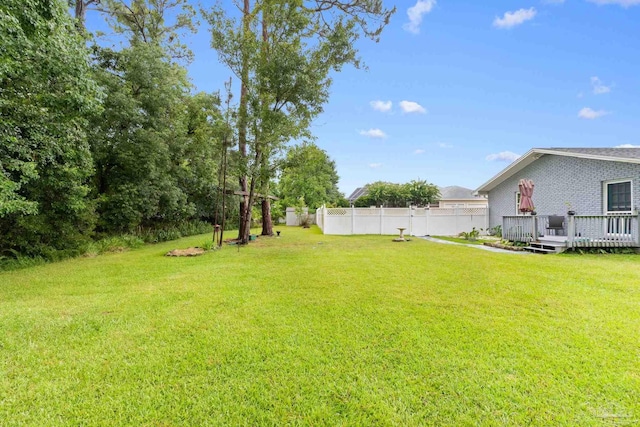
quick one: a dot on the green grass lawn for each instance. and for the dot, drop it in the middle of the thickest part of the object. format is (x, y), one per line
(319, 330)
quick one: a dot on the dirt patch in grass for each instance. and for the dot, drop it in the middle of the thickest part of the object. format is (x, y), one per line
(186, 252)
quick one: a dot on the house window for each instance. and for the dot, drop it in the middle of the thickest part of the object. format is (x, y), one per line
(518, 204)
(618, 201)
(619, 197)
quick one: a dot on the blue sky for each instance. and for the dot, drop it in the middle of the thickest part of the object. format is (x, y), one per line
(454, 93)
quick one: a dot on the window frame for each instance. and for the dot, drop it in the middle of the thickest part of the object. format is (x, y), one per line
(518, 196)
(605, 196)
(617, 226)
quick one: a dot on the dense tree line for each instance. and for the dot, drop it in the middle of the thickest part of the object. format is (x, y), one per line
(98, 140)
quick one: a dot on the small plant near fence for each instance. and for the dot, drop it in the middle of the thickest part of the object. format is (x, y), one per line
(495, 231)
(471, 235)
(304, 219)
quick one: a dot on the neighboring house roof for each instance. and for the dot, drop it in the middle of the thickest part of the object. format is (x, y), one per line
(454, 192)
(357, 193)
(626, 155)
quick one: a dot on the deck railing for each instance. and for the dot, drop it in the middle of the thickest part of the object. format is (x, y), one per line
(518, 228)
(606, 231)
(581, 230)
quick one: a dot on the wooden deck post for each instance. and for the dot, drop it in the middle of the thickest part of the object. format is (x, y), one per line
(571, 230)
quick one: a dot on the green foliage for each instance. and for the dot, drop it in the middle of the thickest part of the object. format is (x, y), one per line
(155, 160)
(172, 231)
(113, 244)
(603, 251)
(495, 231)
(147, 22)
(207, 245)
(471, 235)
(308, 172)
(47, 95)
(416, 192)
(14, 260)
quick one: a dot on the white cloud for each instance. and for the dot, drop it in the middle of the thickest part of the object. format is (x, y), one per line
(503, 156)
(375, 165)
(412, 107)
(623, 3)
(444, 145)
(598, 87)
(627, 146)
(373, 133)
(511, 19)
(383, 106)
(590, 114)
(419, 151)
(415, 13)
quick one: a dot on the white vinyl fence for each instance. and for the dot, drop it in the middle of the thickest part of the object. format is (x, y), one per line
(415, 221)
(293, 218)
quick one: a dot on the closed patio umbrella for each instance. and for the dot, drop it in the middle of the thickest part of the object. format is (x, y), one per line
(526, 191)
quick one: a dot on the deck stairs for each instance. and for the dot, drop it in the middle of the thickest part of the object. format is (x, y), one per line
(548, 245)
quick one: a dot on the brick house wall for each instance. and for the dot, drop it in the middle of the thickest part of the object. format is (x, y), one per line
(561, 179)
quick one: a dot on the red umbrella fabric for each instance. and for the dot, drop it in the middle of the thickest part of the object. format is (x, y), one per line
(526, 191)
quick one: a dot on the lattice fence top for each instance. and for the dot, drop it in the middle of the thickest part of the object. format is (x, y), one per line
(337, 211)
(458, 211)
(474, 211)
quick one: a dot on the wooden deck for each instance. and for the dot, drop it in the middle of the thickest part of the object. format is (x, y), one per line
(579, 231)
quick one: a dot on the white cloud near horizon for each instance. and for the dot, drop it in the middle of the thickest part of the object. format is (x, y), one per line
(375, 165)
(503, 156)
(591, 114)
(383, 106)
(627, 146)
(419, 151)
(373, 133)
(415, 14)
(622, 3)
(444, 145)
(412, 107)
(512, 19)
(598, 87)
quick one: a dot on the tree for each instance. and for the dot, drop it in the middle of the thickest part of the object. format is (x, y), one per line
(47, 96)
(80, 11)
(422, 193)
(308, 172)
(145, 21)
(148, 149)
(283, 66)
(155, 146)
(416, 192)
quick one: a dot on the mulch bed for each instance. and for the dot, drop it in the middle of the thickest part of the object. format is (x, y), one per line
(186, 252)
(501, 246)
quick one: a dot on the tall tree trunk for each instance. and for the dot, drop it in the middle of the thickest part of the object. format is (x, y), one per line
(267, 225)
(245, 207)
(252, 196)
(80, 13)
